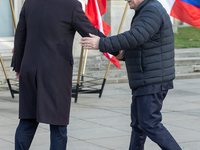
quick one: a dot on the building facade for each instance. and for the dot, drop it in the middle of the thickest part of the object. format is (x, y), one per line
(115, 8)
(113, 16)
(6, 20)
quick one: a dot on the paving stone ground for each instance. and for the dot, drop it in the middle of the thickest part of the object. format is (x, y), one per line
(103, 124)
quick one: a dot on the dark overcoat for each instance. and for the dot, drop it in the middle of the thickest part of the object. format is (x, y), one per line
(43, 56)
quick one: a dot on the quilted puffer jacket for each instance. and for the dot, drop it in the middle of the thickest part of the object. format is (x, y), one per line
(148, 45)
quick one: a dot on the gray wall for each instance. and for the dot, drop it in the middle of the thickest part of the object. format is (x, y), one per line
(6, 22)
(113, 16)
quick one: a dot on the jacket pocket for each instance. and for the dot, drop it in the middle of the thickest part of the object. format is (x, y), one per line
(141, 69)
(140, 59)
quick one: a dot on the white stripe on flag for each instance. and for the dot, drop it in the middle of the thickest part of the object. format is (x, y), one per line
(99, 17)
(167, 4)
(100, 23)
(110, 55)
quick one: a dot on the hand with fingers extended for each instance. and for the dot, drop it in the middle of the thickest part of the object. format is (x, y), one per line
(91, 42)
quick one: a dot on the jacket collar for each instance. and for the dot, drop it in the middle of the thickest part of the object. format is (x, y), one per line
(141, 6)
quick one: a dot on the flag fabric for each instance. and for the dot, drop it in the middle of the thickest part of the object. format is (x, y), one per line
(185, 10)
(94, 10)
(113, 59)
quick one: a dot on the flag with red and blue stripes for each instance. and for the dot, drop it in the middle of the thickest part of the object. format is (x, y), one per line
(185, 10)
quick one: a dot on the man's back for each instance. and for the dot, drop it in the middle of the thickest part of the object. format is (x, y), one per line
(43, 56)
(51, 24)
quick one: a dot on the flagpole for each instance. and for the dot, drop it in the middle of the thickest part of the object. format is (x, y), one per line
(79, 73)
(22, 2)
(4, 69)
(13, 14)
(108, 67)
(14, 22)
(6, 75)
(84, 65)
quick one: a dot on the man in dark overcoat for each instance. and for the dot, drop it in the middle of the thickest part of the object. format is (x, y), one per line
(43, 63)
(149, 56)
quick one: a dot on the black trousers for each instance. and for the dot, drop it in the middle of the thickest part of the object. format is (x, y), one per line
(26, 131)
(146, 121)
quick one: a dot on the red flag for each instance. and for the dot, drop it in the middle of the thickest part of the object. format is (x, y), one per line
(102, 6)
(113, 59)
(94, 10)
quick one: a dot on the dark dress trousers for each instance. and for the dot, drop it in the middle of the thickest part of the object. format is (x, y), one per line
(26, 131)
(146, 117)
(43, 56)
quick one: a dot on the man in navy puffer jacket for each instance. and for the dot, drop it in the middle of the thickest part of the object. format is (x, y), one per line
(149, 56)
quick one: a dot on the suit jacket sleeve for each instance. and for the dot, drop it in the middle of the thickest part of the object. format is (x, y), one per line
(20, 41)
(81, 23)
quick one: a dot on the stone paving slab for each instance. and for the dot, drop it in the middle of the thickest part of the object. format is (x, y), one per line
(103, 123)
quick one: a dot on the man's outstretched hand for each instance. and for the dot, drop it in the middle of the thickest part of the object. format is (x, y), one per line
(91, 42)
